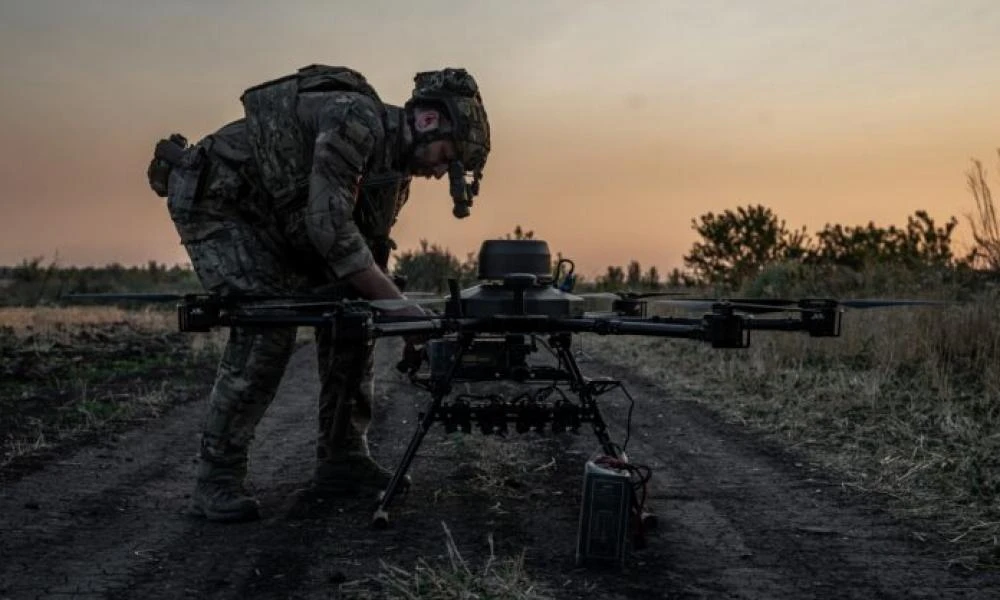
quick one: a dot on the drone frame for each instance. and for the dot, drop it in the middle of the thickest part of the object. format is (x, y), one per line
(498, 346)
(521, 305)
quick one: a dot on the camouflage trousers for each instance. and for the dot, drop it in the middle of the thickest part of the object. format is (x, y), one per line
(236, 246)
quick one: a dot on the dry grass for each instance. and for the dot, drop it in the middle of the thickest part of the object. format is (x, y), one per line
(47, 325)
(905, 404)
(68, 373)
(495, 466)
(50, 320)
(456, 579)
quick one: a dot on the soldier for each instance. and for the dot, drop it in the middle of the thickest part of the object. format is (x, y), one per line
(302, 193)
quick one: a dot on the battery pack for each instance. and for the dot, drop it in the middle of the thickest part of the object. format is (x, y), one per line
(602, 539)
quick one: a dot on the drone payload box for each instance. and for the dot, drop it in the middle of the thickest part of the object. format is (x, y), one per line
(602, 537)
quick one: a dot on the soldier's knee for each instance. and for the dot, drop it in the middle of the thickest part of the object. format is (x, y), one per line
(259, 348)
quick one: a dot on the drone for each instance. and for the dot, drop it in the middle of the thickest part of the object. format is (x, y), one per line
(491, 332)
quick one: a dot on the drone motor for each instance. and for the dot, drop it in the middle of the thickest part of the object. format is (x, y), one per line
(823, 318)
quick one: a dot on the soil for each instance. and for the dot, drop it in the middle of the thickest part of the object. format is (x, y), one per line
(64, 388)
(738, 517)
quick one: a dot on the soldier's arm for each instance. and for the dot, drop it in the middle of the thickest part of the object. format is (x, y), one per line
(347, 129)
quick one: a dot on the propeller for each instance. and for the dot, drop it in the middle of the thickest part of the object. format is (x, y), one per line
(766, 305)
(627, 295)
(264, 301)
(404, 303)
(140, 297)
(386, 304)
(741, 306)
(875, 303)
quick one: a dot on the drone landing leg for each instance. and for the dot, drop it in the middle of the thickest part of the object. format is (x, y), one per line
(588, 403)
(380, 519)
(601, 429)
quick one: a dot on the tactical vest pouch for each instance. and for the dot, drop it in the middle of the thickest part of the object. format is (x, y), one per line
(167, 154)
(185, 184)
(279, 145)
(276, 139)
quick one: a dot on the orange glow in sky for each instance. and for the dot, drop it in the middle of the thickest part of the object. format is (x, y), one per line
(615, 123)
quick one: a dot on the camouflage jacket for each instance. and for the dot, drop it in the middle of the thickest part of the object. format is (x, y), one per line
(342, 165)
(356, 185)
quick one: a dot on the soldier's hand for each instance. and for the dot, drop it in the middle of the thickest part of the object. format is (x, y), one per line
(412, 311)
(413, 356)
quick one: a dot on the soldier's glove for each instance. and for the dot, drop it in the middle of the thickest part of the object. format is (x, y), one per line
(167, 155)
(414, 342)
(413, 356)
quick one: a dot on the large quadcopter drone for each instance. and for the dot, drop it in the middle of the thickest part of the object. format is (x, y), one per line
(491, 332)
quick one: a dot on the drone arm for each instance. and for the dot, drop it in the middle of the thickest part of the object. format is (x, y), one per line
(818, 324)
(405, 328)
(691, 329)
(776, 324)
(203, 315)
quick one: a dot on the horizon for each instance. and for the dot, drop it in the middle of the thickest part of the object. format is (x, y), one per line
(658, 112)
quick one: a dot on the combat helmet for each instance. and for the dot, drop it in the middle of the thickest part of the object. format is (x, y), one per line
(456, 91)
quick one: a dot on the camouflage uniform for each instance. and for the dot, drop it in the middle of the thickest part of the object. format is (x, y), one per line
(296, 195)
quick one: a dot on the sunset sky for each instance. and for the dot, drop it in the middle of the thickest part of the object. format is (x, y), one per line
(614, 123)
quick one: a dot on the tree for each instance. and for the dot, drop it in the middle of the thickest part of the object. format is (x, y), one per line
(429, 268)
(613, 278)
(651, 280)
(920, 244)
(737, 245)
(678, 278)
(520, 234)
(634, 274)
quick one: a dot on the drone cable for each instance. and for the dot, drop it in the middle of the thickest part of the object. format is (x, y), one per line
(628, 420)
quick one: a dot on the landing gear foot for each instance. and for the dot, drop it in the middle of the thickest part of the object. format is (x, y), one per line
(380, 520)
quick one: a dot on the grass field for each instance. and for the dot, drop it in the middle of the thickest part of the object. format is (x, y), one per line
(70, 374)
(905, 405)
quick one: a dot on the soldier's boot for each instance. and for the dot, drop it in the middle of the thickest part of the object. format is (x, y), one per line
(351, 474)
(219, 494)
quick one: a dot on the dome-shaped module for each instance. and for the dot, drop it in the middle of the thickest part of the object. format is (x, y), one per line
(500, 258)
(506, 266)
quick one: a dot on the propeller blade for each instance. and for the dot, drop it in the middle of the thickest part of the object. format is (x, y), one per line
(393, 304)
(875, 303)
(389, 304)
(771, 302)
(602, 295)
(291, 305)
(113, 297)
(657, 294)
(761, 305)
(741, 306)
(628, 295)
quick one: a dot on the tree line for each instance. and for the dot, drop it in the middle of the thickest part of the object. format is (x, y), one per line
(736, 245)
(732, 247)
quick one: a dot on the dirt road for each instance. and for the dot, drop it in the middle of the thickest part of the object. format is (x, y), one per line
(738, 518)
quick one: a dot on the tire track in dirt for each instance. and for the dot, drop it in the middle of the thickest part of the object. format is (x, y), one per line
(111, 521)
(110, 517)
(80, 525)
